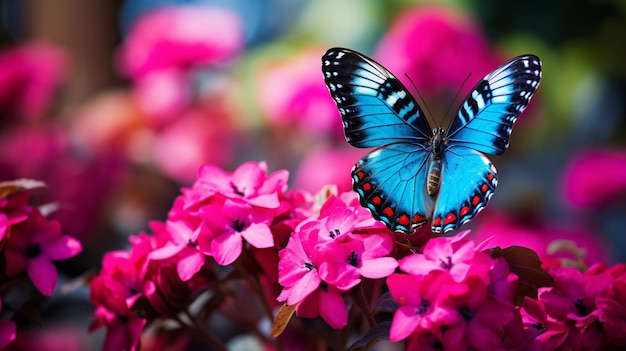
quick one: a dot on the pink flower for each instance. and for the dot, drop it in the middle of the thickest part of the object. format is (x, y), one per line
(573, 295)
(248, 183)
(181, 37)
(581, 185)
(338, 163)
(544, 332)
(33, 245)
(297, 269)
(231, 222)
(437, 48)
(291, 94)
(182, 231)
(29, 75)
(166, 45)
(453, 255)
(417, 296)
(345, 262)
(472, 319)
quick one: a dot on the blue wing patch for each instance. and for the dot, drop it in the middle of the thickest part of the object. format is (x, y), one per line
(468, 181)
(486, 116)
(375, 107)
(389, 190)
(417, 173)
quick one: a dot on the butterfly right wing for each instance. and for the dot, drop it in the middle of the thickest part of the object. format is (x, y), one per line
(375, 107)
(391, 183)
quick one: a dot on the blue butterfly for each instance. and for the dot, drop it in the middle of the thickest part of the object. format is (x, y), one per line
(417, 173)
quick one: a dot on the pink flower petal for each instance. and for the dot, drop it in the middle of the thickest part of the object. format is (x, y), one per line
(43, 274)
(405, 321)
(258, 235)
(333, 308)
(63, 247)
(226, 248)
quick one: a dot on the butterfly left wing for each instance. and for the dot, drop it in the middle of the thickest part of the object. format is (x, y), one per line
(486, 116)
(375, 107)
(468, 179)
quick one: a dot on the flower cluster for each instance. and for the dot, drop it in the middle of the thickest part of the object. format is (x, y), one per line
(583, 310)
(29, 242)
(329, 254)
(325, 256)
(452, 294)
(209, 225)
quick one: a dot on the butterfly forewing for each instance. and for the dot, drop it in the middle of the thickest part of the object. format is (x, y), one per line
(375, 107)
(486, 116)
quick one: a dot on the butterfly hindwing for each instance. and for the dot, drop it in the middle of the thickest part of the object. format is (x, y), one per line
(375, 107)
(468, 181)
(390, 183)
(486, 116)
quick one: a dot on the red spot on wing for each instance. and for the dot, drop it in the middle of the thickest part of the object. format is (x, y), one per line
(490, 176)
(475, 200)
(484, 188)
(437, 222)
(376, 200)
(404, 220)
(367, 186)
(418, 218)
(388, 211)
(464, 211)
(360, 174)
(450, 218)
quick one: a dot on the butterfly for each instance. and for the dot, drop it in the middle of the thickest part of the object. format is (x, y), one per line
(418, 173)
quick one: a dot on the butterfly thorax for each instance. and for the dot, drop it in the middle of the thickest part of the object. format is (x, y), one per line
(437, 144)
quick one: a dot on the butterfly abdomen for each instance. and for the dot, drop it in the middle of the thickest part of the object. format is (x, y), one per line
(434, 176)
(434, 166)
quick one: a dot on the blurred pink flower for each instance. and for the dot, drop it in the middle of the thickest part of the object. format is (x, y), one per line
(595, 177)
(203, 134)
(504, 231)
(292, 93)
(180, 37)
(29, 75)
(165, 46)
(336, 171)
(437, 48)
(33, 245)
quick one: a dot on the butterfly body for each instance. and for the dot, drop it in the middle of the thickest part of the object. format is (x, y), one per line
(417, 173)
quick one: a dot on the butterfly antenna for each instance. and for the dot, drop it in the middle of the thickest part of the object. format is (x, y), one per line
(456, 96)
(422, 99)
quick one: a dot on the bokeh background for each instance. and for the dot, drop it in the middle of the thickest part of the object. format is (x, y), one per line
(115, 104)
